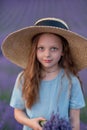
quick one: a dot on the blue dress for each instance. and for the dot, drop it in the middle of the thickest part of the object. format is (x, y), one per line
(56, 95)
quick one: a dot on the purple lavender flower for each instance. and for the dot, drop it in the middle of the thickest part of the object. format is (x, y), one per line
(57, 123)
(7, 121)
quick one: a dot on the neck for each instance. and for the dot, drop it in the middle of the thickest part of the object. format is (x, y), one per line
(50, 74)
(50, 71)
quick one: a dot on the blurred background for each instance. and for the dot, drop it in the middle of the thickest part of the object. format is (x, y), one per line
(16, 14)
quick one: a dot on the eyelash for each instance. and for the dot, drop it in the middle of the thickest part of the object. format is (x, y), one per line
(52, 49)
(40, 48)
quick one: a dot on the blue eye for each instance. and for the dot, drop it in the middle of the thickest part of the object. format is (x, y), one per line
(54, 49)
(40, 48)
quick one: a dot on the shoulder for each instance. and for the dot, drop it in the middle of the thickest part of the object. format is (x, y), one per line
(20, 74)
(69, 76)
(20, 78)
(75, 80)
(76, 84)
(76, 95)
(72, 80)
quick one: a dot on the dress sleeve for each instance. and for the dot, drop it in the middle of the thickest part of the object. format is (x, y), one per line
(17, 100)
(76, 98)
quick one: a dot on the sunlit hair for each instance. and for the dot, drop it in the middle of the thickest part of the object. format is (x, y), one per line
(32, 73)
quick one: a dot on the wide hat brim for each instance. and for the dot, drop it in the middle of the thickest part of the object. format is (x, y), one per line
(16, 46)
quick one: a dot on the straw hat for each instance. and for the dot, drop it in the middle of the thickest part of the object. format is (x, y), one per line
(16, 45)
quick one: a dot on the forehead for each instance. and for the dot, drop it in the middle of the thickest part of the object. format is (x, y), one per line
(49, 38)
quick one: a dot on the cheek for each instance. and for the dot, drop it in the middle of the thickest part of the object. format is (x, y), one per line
(58, 55)
(38, 55)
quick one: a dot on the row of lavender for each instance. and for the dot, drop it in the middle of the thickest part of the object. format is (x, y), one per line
(8, 75)
(7, 122)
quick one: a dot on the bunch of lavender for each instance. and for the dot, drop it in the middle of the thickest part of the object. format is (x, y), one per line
(57, 123)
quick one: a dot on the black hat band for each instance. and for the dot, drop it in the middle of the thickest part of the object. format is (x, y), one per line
(51, 23)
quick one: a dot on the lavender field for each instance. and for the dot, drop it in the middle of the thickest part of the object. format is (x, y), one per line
(15, 14)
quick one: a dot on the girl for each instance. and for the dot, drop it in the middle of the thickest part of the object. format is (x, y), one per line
(49, 54)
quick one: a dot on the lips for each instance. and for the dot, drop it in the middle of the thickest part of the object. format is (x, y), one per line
(47, 61)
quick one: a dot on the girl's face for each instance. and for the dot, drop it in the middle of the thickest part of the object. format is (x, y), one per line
(49, 51)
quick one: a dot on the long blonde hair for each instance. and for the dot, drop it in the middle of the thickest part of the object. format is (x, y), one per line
(32, 73)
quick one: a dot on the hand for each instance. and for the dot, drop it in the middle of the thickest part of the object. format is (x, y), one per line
(35, 123)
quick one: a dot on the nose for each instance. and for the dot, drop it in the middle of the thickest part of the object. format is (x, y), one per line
(47, 53)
